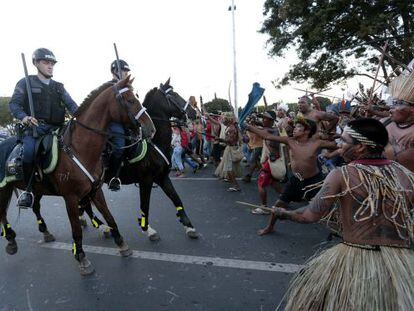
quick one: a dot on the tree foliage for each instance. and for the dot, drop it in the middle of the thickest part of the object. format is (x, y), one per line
(218, 105)
(6, 117)
(336, 40)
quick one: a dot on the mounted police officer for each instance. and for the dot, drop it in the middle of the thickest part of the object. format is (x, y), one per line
(118, 142)
(50, 102)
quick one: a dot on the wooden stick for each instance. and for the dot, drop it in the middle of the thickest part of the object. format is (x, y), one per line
(265, 102)
(315, 93)
(255, 206)
(371, 95)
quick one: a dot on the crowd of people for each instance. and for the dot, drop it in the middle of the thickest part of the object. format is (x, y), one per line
(353, 165)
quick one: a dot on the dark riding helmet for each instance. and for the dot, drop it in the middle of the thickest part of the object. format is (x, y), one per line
(43, 54)
(123, 64)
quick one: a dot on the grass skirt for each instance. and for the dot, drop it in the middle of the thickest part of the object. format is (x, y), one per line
(227, 165)
(351, 278)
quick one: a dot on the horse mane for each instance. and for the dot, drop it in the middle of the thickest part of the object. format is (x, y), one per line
(149, 95)
(91, 97)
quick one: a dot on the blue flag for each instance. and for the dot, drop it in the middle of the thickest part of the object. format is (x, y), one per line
(254, 97)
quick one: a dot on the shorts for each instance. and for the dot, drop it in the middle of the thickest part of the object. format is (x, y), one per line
(255, 155)
(297, 190)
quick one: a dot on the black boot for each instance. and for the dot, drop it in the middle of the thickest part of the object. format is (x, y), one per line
(114, 169)
(26, 198)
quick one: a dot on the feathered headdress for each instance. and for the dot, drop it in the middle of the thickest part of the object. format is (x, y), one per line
(402, 88)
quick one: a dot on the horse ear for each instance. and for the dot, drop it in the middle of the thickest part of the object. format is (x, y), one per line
(124, 81)
(131, 80)
(168, 81)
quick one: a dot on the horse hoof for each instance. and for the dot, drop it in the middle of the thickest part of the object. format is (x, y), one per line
(105, 231)
(124, 250)
(86, 267)
(191, 233)
(154, 237)
(48, 237)
(107, 234)
(83, 222)
(11, 248)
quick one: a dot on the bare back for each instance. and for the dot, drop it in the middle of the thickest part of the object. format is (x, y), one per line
(373, 209)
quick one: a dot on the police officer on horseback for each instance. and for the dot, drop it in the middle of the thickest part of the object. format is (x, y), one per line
(118, 142)
(50, 103)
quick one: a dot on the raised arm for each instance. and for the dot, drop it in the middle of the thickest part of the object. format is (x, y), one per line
(266, 135)
(212, 120)
(315, 102)
(320, 204)
(328, 144)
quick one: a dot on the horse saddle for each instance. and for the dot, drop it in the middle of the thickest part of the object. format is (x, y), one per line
(138, 153)
(46, 152)
(11, 157)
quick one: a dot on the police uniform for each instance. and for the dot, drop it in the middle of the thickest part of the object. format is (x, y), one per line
(50, 102)
(118, 141)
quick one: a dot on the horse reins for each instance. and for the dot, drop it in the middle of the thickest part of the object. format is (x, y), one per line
(68, 150)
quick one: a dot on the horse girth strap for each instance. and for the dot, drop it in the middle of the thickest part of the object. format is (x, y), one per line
(160, 152)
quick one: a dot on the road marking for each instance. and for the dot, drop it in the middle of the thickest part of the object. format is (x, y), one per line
(186, 259)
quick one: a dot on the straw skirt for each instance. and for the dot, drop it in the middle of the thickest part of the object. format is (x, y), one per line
(351, 278)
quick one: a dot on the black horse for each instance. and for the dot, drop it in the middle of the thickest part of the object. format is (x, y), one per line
(161, 103)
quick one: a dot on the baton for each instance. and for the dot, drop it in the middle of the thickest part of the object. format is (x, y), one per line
(29, 94)
(118, 64)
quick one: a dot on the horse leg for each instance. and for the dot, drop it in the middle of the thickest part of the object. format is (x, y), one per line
(145, 189)
(168, 188)
(86, 206)
(47, 236)
(82, 217)
(99, 200)
(85, 265)
(6, 229)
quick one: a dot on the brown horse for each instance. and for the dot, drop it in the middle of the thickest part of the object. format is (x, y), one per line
(79, 170)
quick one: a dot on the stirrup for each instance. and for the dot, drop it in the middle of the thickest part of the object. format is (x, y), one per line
(20, 197)
(114, 184)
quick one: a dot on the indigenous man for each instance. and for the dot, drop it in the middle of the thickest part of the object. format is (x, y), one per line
(255, 146)
(270, 155)
(50, 101)
(400, 127)
(283, 121)
(373, 268)
(118, 141)
(257, 143)
(306, 175)
(304, 106)
(230, 163)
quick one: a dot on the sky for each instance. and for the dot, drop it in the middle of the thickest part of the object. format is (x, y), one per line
(187, 40)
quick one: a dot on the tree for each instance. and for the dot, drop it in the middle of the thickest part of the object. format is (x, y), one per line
(218, 105)
(336, 40)
(6, 118)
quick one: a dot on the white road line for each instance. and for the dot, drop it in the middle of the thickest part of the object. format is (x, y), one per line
(202, 178)
(196, 260)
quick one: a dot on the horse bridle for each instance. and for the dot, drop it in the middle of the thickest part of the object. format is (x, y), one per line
(171, 100)
(124, 105)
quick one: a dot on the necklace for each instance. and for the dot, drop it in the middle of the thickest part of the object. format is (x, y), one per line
(404, 125)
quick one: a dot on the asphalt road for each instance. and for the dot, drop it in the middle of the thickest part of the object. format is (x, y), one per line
(228, 268)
